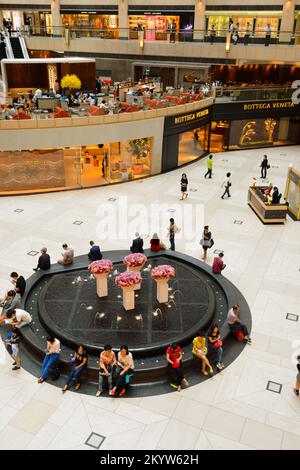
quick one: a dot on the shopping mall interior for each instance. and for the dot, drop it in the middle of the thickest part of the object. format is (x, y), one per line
(153, 151)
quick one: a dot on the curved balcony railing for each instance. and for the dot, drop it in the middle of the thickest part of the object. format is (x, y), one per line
(49, 110)
(187, 35)
(253, 93)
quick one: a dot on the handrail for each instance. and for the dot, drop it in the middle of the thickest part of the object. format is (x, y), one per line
(182, 35)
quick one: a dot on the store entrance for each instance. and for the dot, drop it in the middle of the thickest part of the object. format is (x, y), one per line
(219, 135)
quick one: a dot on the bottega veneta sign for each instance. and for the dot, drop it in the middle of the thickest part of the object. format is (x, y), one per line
(191, 116)
(268, 105)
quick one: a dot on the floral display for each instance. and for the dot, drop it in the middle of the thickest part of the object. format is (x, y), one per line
(135, 260)
(72, 82)
(128, 279)
(103, 266)
(163, 272)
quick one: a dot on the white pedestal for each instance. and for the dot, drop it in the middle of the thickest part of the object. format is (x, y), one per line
(128, 298)
(101, 284)
(162, 293)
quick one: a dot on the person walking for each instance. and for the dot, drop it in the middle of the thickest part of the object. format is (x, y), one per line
(297, 385)
(206, 241)
(209, 166)
(227, 183)
(264, 167)
(184, 183)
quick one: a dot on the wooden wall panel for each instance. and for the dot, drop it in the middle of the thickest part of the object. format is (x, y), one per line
(27, 76)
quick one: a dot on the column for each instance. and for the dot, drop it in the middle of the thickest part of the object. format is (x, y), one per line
(199, 20)
(56, 18)
(1, 19)
(287, 22)
(123, 19)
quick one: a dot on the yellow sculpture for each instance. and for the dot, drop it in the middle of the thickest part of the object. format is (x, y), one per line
(248, 132)
(72, 82)
(270, 124)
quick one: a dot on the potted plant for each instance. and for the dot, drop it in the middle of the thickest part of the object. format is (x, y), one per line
(139, 148)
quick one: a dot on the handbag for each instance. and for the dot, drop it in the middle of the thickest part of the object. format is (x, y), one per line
(211, 242)
(217, 344)
(268, 167)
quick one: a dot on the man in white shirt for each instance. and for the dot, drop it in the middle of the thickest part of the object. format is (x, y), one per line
(227, 184)
(268, 34)
(67, 255)
(235, 323)
(18, 317)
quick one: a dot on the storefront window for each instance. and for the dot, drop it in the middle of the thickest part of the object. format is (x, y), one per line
(264, 132)
(74, 167)
(192, 144)
(157, 28)
(96, 24)
(221, 23)
(219, 133)
(262, 22)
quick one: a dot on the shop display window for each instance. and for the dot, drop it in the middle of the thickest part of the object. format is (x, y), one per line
(221, 23)
(192, 144)
(157, 28)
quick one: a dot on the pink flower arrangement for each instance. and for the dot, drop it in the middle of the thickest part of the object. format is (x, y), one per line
(135, 260)
(163, 272)
(103, 266)
(128, 279)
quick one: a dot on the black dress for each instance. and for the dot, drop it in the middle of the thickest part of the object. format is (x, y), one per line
(184, 183)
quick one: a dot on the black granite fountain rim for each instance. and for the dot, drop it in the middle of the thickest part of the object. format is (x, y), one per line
(72, 341)
(33, 347)
(231, 292)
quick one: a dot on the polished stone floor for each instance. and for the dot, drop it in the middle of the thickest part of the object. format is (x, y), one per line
(250, 405)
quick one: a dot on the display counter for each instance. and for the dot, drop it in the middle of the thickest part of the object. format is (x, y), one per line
(268, 213)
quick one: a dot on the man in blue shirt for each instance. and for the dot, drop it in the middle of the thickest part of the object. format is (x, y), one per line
(94, 253)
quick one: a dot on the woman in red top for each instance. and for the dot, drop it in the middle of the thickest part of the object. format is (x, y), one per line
(174, 356)
(155, 243)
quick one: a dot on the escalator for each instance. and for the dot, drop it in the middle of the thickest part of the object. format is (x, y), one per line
(3, 54)
(16, 47)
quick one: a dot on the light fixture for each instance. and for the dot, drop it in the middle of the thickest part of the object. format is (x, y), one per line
(119, 318)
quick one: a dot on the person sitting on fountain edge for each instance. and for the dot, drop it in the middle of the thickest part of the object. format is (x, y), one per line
(95, 252)
(137, 244)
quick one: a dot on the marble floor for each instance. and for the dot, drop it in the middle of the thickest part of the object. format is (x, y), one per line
(234, 409)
